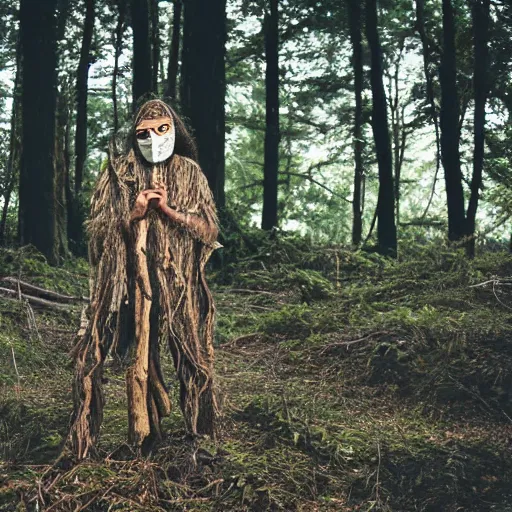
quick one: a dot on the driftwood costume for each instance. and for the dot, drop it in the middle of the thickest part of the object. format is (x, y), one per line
(148, 284)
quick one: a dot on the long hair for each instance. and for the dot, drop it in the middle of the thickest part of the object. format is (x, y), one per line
(184, 144)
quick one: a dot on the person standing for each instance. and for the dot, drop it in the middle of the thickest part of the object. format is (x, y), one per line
(152, 229)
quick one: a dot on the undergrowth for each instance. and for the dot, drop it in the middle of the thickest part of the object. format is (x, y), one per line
(349, 382)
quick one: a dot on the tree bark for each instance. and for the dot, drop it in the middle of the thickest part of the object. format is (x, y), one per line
(480, 14)
(203, 69)
(39, 97)
(67, 220)
(75, 215)
(14, 145)
(271, 168)
(449, 124)
(63, 225)
(174, 51)
(155, 44)
(118, 48)
(429, 81)
(142, 75)
(399, 134)
(386, 228)
(139, 427)
(81, 95)
(357, 66)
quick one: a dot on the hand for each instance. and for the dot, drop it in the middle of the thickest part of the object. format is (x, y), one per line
(149, 199)
(140, 207)
(159, 196)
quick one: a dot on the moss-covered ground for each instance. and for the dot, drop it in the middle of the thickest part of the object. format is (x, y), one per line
(349, 382)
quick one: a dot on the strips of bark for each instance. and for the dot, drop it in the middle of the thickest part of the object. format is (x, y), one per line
(137, 375)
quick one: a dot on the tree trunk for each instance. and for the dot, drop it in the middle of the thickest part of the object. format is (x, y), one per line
(39, 96)
(449, 124)
(121, 6)
(386, 228)
(357, 65)
(62, 224)
(142, 76)
(427, 59)
(71, 205)
(81, 96)
(14, 145)
(271, 168)
(397, 129)
(65, 216)
(480, 14)
(203, 69)
(155, 44)
(174, 51)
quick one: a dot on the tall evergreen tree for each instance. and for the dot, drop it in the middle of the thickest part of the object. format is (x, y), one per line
(155, 44)
(13, 161)
(449, 124)
(37, 215)
(81, 95)
(142, 70)
(357, 66)
(480, 16)
(386, 228)
(174, 51)
(271, 161)
(426, 45)
(118, 48)
(203, 86)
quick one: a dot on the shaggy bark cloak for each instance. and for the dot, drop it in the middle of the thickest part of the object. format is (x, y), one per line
(148, 282)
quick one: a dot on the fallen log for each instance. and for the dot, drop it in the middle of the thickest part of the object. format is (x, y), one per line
(37, 291)
(34, 301)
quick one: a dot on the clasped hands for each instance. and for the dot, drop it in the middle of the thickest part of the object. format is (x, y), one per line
(151, 199)
(156, 199)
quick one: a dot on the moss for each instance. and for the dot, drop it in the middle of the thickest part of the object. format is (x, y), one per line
(372, 384)
(29, 265)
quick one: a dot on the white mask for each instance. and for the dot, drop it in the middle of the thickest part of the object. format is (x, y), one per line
(157, 148)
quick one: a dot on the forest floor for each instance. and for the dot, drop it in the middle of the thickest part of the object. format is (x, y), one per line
(349, 382)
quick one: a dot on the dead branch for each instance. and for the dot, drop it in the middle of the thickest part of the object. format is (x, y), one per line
(37, 290)
(246, 290)
(237, 340)
(307, 177)
(351, 342)
(36, 301)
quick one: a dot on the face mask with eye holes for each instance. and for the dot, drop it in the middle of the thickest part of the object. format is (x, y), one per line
(156, 141)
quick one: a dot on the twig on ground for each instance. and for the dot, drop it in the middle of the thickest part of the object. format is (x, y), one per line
(496, 282)
(210, 485)
(32, 323)
(478, 397)
(496, 295)
(237, 340)
(247, 290)
(17, 373)
(377, 480)
(100, 495)
(350, 342)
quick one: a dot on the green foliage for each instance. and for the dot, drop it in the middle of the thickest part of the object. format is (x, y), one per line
(399, 369)
(28, 264)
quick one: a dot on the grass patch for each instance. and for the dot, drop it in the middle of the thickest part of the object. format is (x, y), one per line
(349, 382)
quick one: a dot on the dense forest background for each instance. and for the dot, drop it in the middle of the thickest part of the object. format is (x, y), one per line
(349, 122)
(359, 153)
